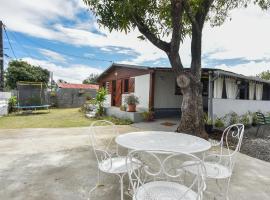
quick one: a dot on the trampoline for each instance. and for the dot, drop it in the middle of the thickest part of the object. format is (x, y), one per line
(32, 96)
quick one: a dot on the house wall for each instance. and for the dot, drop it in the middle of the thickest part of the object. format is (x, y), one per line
(142, 90)
(164, 95)
(221, 107)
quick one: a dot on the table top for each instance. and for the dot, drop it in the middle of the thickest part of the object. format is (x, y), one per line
(163, 141)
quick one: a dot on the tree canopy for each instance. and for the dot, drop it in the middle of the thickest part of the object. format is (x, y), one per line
(265, 75)
(91, 79)
(22, 71)
(166, 23)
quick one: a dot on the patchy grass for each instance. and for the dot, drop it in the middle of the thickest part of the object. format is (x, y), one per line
(56, 118)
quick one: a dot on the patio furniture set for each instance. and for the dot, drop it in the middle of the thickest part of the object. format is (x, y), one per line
(158, 163)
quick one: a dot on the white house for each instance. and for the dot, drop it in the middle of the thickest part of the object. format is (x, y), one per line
(157, 90)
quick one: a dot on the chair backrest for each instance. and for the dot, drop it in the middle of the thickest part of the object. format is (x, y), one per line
(260, 118)
(164, 166)
(102, 138)
(232, 134)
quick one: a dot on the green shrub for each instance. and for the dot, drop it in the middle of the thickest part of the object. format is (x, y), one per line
(244, 119)
(219, 123)
(233, 118)
(12, 103)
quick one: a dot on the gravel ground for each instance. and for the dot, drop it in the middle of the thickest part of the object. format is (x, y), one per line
(257, 146)
(254, 146)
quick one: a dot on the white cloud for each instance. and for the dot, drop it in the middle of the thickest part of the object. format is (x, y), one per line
(53, 55)
(72, 73)
(248, 69)
(246, 36)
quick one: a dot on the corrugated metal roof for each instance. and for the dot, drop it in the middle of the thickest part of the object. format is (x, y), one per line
(78, 86)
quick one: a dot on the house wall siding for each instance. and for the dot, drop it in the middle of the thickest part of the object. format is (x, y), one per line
(221, 107)
(142, 90)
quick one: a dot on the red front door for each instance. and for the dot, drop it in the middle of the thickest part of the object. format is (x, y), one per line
(116, 92)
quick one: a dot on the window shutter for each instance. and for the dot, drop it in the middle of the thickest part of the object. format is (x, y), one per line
(131, 85)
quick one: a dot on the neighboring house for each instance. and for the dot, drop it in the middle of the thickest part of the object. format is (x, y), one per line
(74, 95)
(156, 88)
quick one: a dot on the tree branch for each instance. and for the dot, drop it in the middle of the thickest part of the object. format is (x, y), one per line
(190, 15)
(144, 29)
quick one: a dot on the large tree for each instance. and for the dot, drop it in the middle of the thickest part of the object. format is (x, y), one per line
(265, 75)
(174, 20)
(22, 71)
(91, 79)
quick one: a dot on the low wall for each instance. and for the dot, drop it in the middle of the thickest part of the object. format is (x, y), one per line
(116, 112)
(222, 107)
(4, 96)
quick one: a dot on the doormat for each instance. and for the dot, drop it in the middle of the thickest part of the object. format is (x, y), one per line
(167, 124)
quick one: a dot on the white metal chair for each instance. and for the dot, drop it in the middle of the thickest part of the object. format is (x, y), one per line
(161, 176)
(220, 165)
(106, 152)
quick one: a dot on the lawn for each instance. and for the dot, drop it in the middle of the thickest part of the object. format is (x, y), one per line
(56, 118)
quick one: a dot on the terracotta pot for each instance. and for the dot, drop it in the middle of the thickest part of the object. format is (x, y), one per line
(132, 108)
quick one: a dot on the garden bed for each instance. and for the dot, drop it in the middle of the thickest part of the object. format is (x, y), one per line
(252, 145)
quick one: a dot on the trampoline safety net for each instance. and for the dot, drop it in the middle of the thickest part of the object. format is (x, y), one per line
(32, 94)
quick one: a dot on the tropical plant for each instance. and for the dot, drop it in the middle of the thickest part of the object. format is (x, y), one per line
(22, 71)
(131, 100)
(173, 20)
(12, 103)
(99, 100)
(219, 123)
(207, 120)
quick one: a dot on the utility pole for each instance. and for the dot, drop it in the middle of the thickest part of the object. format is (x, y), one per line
(1, 58)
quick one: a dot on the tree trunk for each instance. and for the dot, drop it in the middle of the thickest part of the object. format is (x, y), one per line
(191, 121)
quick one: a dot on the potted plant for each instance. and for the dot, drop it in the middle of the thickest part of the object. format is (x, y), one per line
(148, 115)
(207, 123)
(131, 101)
(123, 108)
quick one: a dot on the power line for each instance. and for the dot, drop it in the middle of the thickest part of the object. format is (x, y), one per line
(12, 50)
(18, 42)
(64, 53)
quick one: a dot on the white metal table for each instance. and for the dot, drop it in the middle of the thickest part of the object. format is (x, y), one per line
(163, 141)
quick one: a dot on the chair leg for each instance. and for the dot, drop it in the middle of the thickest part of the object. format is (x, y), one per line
(227, 189)
(257, 131)
(122, 185)
(98, 184)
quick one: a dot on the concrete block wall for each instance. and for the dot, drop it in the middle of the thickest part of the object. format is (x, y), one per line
(72, 98)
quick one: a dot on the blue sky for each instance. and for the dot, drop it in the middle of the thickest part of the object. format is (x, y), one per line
(64, 37)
